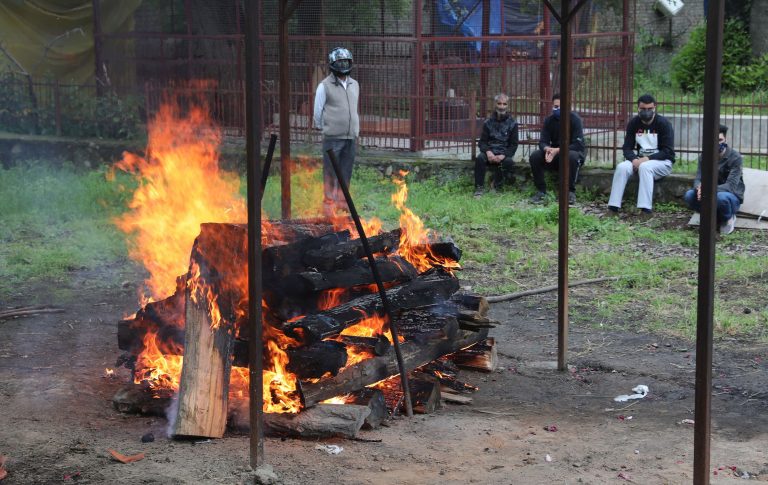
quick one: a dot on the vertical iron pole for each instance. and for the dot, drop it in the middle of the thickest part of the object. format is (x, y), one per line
(253, 162)
(565, 169)
(545, 82)
(284, 95)
(706, 290)
(417, 103)
(485, 47)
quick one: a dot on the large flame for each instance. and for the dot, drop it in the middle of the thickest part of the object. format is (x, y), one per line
(180, 187)
(414, 237)
(159, 369)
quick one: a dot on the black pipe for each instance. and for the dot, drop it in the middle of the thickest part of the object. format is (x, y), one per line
(379, 284)
(267, 163)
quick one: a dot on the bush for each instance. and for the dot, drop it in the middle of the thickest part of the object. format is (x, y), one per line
(740, 74)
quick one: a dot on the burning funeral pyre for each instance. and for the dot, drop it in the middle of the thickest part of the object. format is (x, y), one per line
(325, 338)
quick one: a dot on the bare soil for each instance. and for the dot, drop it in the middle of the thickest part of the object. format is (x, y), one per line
(57, 420)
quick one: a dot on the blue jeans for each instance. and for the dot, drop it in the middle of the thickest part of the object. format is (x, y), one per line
(727, 204)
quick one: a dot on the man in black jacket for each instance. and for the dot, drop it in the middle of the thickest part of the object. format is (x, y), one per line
(498, 144)
(649, 151)
(548, 154)
(730, 185)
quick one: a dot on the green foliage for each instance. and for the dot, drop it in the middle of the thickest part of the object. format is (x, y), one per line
(31, 109)
(740, 72)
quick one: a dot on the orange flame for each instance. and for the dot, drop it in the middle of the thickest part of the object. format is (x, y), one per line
(160, 370)
(414, 237)
(180, 187)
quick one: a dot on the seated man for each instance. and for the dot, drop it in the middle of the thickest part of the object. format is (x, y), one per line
(648, 151)
(548, 154)
(498, 144)
(730, 185)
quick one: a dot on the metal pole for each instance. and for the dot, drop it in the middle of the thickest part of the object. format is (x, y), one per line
(253, 152)
(565, 170)
(285, 99)
(706, 291)
(417, 80)
(267, 163)
(379, 284)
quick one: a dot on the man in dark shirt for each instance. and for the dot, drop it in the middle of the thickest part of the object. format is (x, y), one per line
(649, 151)
(730, 185)
(498, 144)
(548, 154)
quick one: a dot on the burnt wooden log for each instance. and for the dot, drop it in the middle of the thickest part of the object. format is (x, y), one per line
(318, 359)
(482, 356)
(429, 288)
(393, 269)
(425, 394)
(322, 421)
(373, 370)
(423, 325)
(375, 345)
(293, 230)
(208, 337)
(374, 400)
(280, 261)
(439, 250)
(140, 399)
(473, 302)
(344, 255)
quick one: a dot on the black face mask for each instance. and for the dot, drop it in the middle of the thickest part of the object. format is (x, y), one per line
(646, 115)
(723, 146)
(556, 113)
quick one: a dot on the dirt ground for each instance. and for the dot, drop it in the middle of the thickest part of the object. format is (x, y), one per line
(57, 420)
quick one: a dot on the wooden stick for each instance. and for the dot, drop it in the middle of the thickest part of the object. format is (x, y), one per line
(29, 310)
(545, 289)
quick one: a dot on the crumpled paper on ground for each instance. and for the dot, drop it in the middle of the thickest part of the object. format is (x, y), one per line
(330, 449)
(640, 392)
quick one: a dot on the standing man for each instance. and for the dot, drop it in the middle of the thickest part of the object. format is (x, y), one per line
(730, 185)
(648, 151)
(335, 113)
(548, 154)
(498, 144)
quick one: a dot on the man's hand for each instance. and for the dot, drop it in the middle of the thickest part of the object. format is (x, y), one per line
(550, 154)
(493, 158)
(638, 161)
(698, 193)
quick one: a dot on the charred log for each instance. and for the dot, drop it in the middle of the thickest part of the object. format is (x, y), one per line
(140, 399)
(427, 289)
(374, 400)
(345, 255)
(279, 261)
(318, 359)
(394, 269)
(375, 345)
(482, 356)
(373, 370)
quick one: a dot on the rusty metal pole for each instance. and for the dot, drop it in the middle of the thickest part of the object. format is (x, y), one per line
(566, 72)
(253, 168)
(379, 285)
(417, 80)
(284, 90)
(706, 291)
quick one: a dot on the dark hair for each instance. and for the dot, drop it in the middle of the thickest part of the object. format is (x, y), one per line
(555, 96)
(723, 129)
(646, 99)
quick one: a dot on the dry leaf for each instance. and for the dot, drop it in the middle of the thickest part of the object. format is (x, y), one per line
(124, 458)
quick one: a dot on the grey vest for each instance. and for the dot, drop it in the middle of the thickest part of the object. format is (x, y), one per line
(340, 119)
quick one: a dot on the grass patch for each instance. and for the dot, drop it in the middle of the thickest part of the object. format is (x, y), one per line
(55, 220)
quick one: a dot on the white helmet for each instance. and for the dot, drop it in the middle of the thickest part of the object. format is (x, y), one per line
(340, 61)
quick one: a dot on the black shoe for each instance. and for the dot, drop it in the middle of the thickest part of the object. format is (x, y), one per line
(478, 192)
(539, 198)
(571, 198)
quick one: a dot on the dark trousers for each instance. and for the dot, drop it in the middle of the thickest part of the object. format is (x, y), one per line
(501, 173)
(344, 150)
(538, 165)
(727, 205)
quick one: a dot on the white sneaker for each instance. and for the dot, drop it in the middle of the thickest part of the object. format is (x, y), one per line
(729, 226)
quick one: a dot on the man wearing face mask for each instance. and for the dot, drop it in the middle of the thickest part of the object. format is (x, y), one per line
(335, 113)
(648, 151)
(730, 185)
(548, 154)
(498, 144)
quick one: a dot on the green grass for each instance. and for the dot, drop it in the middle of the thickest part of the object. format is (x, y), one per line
(56, 220)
